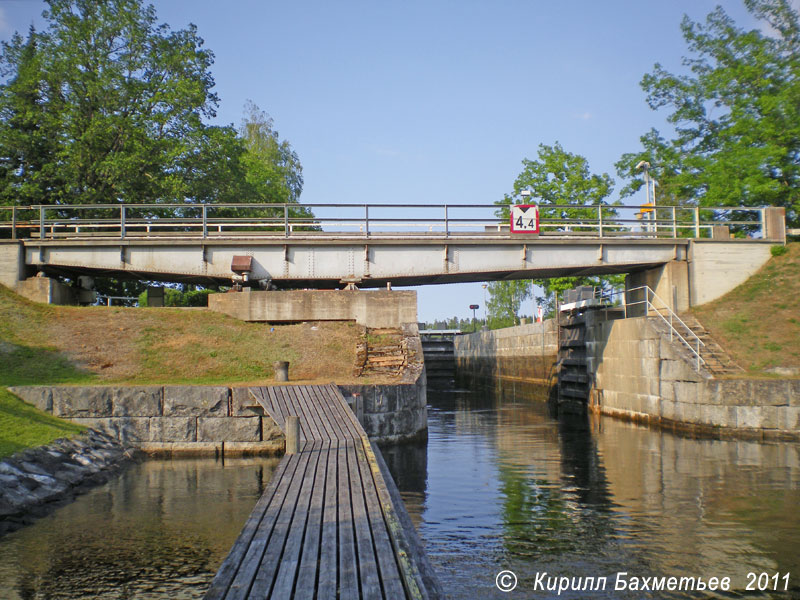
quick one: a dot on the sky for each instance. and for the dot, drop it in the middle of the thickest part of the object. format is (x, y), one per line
(434, 101)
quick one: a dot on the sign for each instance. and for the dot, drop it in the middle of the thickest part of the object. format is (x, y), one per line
(540, 312)
(525, 218)
(474, 307)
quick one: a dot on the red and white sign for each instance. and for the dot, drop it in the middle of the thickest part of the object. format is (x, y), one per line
(540, 313)
(525, 218)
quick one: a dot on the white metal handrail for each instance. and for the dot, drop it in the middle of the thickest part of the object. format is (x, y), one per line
(672, 320)
(443, 220)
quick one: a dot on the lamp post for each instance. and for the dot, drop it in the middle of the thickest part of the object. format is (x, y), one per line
(650, 193)
(474, 307)
(485, 303)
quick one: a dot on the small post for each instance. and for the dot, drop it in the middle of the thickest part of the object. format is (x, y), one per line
(366, 219)
(41, 222)
(674, 223)
(122, 222)
(446, 222)
(292, 434)
(600, 219)
(697, 221)
(286, 220)
(281, 370)
(13, 222)
(205, 221)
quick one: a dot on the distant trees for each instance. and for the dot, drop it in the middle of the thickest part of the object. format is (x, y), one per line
(736, 115)
(106, 105)
(563, 186)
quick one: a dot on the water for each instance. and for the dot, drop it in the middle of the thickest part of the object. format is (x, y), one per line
(499, 485)
(508, 487)
(160, 530)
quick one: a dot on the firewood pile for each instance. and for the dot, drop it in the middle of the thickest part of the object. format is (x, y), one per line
(381, 351)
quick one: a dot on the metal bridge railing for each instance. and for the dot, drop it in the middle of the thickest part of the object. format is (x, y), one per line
(653, 304)
(120, 221)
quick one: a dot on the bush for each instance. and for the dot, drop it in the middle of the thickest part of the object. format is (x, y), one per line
(778, 250)
(175, 297)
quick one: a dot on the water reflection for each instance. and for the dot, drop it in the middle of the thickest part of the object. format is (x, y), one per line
(509, 487)
(159, 530)
(500, 484)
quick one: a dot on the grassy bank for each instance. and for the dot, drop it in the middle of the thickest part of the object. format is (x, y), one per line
(23, 426)
(758, 323)
(61, 344)
(41, 344)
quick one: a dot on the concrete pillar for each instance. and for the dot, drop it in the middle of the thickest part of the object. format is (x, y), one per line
(670, 282)
(12, 263)
(775, 224)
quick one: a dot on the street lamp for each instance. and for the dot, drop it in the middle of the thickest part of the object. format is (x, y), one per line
(650, 192)
(485, 315)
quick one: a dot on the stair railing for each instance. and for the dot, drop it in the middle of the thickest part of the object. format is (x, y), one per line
(677, 328)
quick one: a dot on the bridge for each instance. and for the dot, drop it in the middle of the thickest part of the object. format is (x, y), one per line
(368, 245)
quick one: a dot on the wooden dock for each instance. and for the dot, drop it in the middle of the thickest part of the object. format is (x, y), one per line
(331, 523)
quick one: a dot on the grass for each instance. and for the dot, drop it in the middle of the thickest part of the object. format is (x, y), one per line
(44, 345)
(58, 344)
(23, 426)
(758, 323)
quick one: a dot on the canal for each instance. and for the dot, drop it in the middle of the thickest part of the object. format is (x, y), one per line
(500, 485)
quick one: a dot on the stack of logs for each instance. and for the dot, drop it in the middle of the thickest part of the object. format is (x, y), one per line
(381, 351)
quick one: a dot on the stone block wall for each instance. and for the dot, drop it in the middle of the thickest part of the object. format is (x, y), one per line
(640, 375)
(390, 413)
(165, 420)
(525, 354)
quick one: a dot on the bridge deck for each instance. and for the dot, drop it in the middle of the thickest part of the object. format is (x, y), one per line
(326, 526)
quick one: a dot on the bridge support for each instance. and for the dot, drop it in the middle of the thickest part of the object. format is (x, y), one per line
(12, 263)
(371, 309)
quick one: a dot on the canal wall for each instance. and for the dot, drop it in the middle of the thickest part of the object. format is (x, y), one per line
(639, 374)
(217, 420)
(32, 480)
(523, 356)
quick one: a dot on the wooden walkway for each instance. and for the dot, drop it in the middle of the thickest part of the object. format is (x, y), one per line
(326, 526)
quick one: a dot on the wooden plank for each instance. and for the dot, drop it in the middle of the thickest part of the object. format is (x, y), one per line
(367, 563)
(224, 577)
(309, 414)
(328, 582)
(290, 560)
(277, 414)
(412, 579)
(430, 581)
(348, 419)
(320, 421)
(387, 563)
(248, 564)
(348, 575)
(325, 426)
(335, 425)
(307, 572)
(266, 563)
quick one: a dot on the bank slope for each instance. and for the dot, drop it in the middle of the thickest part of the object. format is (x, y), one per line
(758, 323)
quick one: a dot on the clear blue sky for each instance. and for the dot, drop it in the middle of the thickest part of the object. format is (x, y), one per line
(434, 101)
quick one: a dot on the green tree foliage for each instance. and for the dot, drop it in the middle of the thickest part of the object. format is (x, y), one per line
(736, 114)
(564, 187)
(505, 301)
(106, 105)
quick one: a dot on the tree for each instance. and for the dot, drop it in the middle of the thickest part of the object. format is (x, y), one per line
(105, 105)
(505, 300)
(736, 114)
(564, 188)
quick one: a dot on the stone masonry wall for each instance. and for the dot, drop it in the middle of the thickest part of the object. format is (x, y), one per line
(218, 420)
(525, 354)
(641, 375)
(162, 420)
